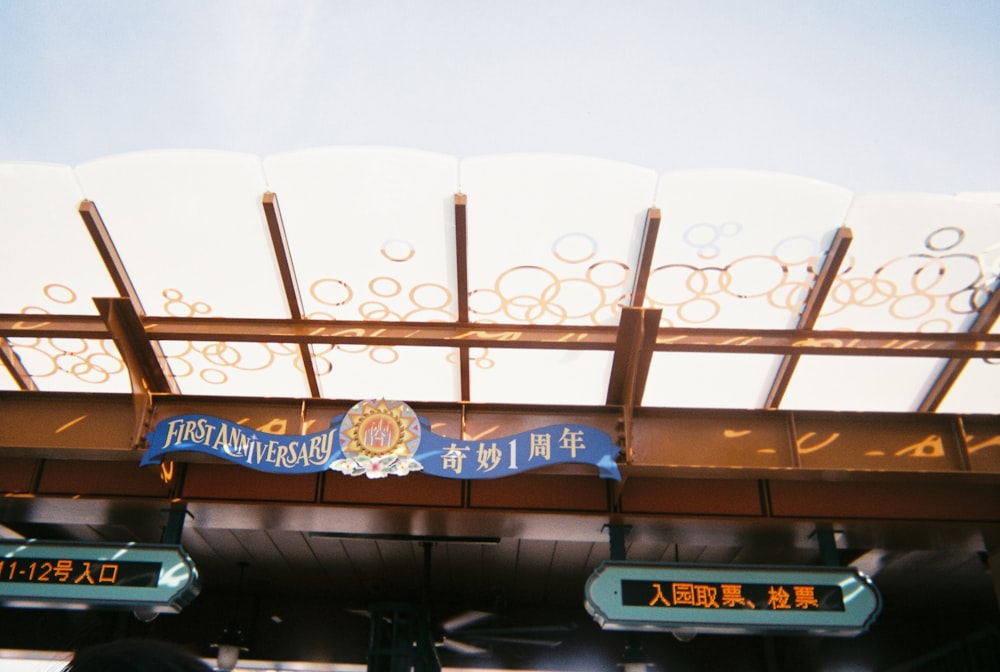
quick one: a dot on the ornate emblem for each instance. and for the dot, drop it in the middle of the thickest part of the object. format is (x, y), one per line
(379, 438)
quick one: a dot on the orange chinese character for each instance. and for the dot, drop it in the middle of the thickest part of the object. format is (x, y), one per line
(62, 570)
(85, 574)
(732, 595)
(683, 593)
(660, 597)
(778, 598)
(805, 597)
(704, 596)
(109, 573)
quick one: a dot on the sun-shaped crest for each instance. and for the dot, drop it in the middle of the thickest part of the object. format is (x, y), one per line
(377, 428)
(379, 438)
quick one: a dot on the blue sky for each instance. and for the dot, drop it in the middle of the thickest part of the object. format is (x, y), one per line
(873, 95)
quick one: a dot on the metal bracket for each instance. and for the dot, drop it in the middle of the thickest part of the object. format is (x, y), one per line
(176, 516)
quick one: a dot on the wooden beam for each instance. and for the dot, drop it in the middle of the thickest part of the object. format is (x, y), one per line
(109, 253)
(462, 288)
(983, 323)
(282, 255)
(127, 331)
(639, 357)
(633, 355)
(144, 369)
(646, 248)
(462, 256)
(647, 345)
(289, 283)
(533, 337)
(810, 311)
(120, 277)
(626, 348)
(831, 445)
(11, 362)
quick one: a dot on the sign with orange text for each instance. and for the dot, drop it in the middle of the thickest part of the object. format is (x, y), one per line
(732, 599)
(154, 578)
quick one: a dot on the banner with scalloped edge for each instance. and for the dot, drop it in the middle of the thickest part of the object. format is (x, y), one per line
(379, 438)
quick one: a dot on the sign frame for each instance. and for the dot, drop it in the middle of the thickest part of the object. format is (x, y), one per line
(862, 602)
(177, 583)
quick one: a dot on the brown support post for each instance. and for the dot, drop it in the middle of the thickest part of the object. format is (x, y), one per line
(462, 287)
(283, 257)
(119, 275)
(626, 347)
(984, 321)
(129, 335)
(811, 310)
(646, 248)
(636, 337)
(630, 367)
(144, 369)
(13, 364)
(650, 331)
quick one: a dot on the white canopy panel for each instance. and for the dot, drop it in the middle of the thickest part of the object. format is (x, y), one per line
(517, 376)
(371, 234)
(190, 230)
(978, 388)
(389, 372)
(49, 265)
(699, 380)
(552, 239)
(371, 231)
(739, 249)
(918, 263)
(735, 249)
(189, 227)
(889, 384)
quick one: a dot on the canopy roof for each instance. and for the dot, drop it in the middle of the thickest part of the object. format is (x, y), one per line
(356, 273)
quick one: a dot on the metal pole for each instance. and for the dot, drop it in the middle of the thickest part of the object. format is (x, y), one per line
(175, 523)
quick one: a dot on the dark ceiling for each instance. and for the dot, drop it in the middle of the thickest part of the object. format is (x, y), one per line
(297, 577)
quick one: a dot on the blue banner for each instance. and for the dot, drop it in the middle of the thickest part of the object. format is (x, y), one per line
(493, 458)
(378, 439)
(274, 453)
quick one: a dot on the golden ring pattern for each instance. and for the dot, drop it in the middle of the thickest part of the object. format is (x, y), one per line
(51, 292)
(397, 250)
(912, 287)
(567, 248)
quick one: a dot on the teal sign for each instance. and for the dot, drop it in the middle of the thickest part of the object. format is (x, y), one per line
(732, 599)
(154, 578)
(379, 438)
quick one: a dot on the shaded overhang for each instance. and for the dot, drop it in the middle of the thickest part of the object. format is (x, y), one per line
(766, 350)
